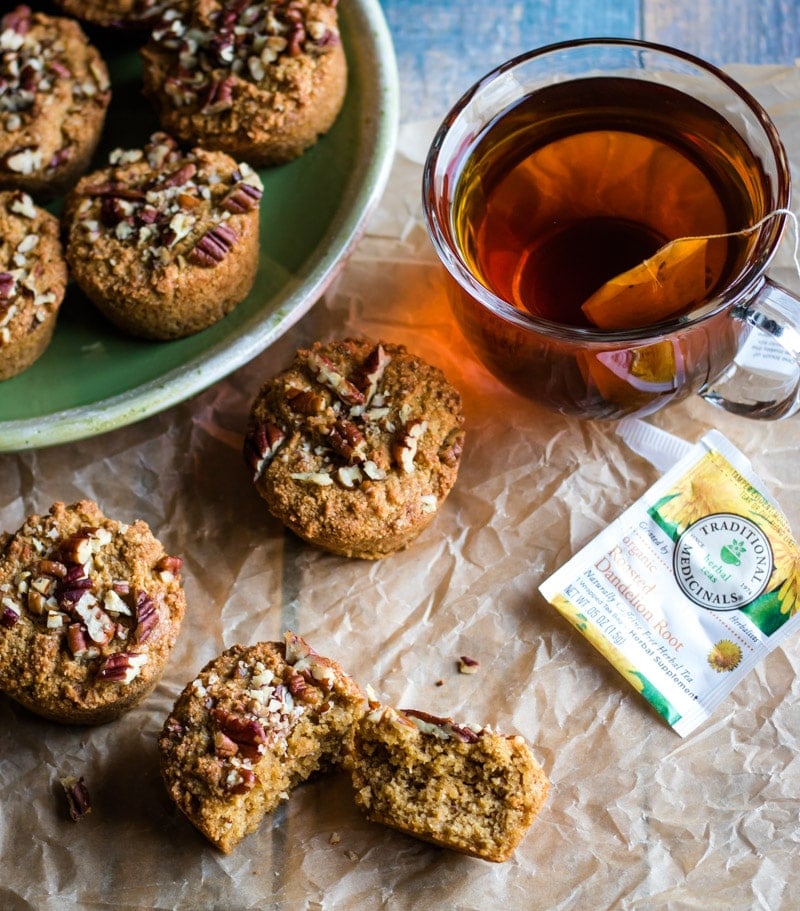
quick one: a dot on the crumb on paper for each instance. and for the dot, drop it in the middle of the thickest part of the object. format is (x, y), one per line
(78, 800)
(335, 838)
(351, 855)
(467, 665)
(440, 682)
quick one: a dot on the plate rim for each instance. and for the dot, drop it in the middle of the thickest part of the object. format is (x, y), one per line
(378, 118)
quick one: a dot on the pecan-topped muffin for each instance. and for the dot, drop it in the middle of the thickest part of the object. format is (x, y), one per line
(122, 14)
(356, 445)
(33, 278)
(90, 609)
(54, 91)
(164, 243)
(254, 723)
(461, 786)
(259, 80)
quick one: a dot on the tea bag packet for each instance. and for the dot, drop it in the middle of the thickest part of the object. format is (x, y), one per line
(691, 586)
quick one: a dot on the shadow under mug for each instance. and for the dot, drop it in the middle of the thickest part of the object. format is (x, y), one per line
(739, 348)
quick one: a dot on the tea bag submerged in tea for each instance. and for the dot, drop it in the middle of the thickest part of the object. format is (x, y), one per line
(690, 587)
(669, 282)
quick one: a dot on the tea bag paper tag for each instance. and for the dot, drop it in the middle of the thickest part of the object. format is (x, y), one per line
(672, 279)
(660, 448)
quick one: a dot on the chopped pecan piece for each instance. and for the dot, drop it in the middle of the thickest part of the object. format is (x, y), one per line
(242, 198)
(77, 641)
(369, 376)
(348, 441)
(467, 665)
(213, 246)
(224, 746)
(9, 616)
(247, 733)
(183, 175)
(53, 568)
(169, 564)
(76, 548)
(114, 188)
(260, 446)
(444, 728)
(305, 401)
(121, 667)
(297, 684)
(146, 616)
(99, 626)
(7, 285)
(219, 97)
(405, 448)
(325, 372)
(18, 20)
(79, 803)
(245, 780)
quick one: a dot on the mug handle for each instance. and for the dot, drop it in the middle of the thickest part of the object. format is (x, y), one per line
(764, 379)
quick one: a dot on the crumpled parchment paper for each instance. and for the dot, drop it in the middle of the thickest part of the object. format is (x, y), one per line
(636, 819)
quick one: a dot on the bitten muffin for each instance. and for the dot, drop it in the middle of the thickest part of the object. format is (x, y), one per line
(355, 446)
(53, 101)
(260, 80)
(121, 14)
(257, 721)
(90, 609)
(33, 278)
(164, 243)
(463, 787)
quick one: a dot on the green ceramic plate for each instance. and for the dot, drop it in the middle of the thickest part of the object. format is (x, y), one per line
(93, 378)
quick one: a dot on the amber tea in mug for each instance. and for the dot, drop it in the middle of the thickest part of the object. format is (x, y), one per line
(562, 178)
(583, 180)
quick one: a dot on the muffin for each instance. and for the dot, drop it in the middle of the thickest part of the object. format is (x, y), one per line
(164, 242)
(53, 102)
(459, 786)
(33, 278)
(257, 721)
(121, 14)
(90, 609)
(260, 81)
(355, 446)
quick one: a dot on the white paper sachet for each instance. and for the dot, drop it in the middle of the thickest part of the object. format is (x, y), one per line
(691, 586)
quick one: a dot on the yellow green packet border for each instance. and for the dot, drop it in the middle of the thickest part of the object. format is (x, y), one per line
(690, 587)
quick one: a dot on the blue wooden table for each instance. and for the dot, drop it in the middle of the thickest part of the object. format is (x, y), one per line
(443, 46)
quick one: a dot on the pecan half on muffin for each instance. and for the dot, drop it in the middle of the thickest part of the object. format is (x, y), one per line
(356, 445)
(33, 278)
(55, 92)
(260, 80)
(90, 609)
(256, 721)
(164, 242)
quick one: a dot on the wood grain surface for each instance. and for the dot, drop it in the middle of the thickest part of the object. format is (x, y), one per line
(443, 46)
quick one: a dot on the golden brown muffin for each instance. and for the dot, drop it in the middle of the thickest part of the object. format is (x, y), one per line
(121, 14)
(90, 609)
(257, 721)
(260, 81)
(355, 446)
(164, 243)
(33, 278)
(53, 103)
(463, 787)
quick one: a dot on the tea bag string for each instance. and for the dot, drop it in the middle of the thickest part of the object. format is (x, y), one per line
(762, 221)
